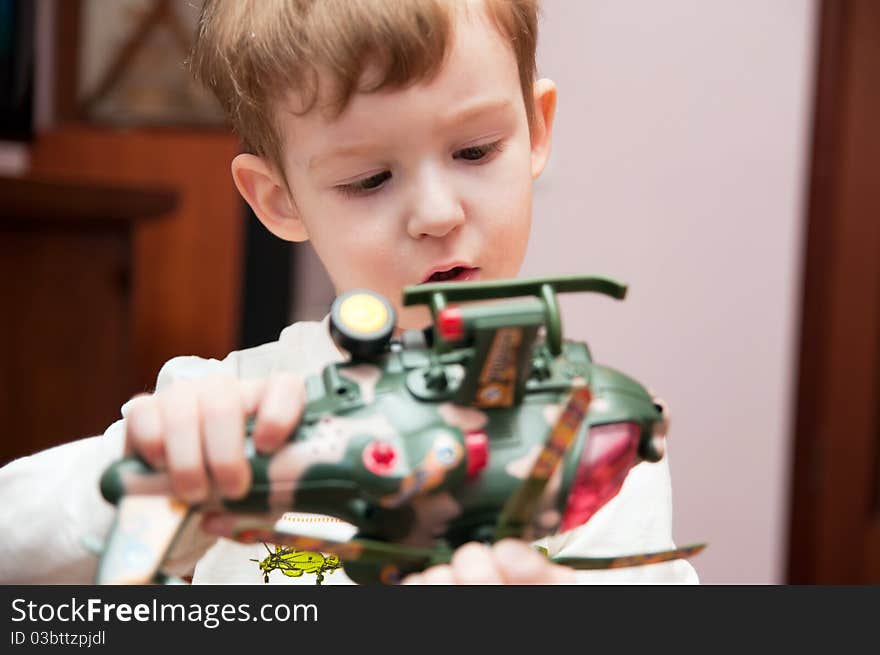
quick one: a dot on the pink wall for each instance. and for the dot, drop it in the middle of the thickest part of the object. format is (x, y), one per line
(680, 166)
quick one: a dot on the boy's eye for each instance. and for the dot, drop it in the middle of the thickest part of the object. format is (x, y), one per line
(476, 153)
(366, 185)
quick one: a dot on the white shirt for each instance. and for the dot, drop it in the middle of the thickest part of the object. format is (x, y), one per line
(51, 507)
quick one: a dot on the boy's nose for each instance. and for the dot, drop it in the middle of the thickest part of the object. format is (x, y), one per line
(435, 209)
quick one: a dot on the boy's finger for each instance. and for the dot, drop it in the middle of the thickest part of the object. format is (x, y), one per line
(521, 564)
(437, 575)
(562, 575)
(473, 564)
(251, 392)
(279, 411)
(222, 419)
(183, 445)
(143, 430)
(413, 579)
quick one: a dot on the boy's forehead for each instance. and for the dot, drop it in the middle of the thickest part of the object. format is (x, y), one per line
(479, 68)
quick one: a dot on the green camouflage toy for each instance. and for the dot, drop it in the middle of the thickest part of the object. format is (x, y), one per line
(487, 425)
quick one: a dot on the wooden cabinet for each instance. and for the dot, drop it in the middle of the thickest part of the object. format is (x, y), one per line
(65, 271)
(95, 298)
(187, 268)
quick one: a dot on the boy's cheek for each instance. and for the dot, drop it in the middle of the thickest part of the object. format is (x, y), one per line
(412, 318)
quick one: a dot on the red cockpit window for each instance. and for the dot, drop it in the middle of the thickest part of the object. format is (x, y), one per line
(609, 454)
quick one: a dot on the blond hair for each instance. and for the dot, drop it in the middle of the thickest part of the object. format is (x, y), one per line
(252, 53)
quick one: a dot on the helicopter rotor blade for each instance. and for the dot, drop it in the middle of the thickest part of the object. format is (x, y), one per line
(246, 528)
(519, 509)
(259, 528)
(642, 559)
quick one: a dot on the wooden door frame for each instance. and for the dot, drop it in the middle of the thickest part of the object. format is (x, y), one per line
(835, 502)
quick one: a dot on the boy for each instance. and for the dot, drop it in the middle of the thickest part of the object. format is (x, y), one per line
(402, 140)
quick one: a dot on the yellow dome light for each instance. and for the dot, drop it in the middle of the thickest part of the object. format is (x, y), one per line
(363, 312)
(362, 322)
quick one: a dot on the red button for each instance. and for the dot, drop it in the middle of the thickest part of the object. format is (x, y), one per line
(477, 444)
(383, 453)
(379, 457)
(450, 324)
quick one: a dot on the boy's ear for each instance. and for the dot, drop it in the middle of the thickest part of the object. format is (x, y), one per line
(542, 129)
(267, 195)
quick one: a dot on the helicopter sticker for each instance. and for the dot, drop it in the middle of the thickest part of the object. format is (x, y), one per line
(294, 563)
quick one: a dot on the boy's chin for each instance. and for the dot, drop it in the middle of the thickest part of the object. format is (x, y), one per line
(412, 318)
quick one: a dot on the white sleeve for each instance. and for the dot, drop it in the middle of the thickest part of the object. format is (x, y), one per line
(51, 505)
(637, 520)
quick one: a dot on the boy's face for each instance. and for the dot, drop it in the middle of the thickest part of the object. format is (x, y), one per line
(428, 183)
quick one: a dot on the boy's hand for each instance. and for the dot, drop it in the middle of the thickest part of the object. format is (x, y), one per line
(509, 561)
(195, 430)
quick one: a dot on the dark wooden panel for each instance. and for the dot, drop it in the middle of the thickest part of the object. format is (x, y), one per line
(65, 334)
(834, 535)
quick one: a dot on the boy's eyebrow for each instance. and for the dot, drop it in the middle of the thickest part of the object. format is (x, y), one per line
(345, 151)
(469, 112)
(475, 110)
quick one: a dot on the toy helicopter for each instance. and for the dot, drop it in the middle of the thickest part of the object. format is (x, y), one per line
(487, 425)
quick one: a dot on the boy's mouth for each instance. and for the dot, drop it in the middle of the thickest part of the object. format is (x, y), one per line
(454, 274)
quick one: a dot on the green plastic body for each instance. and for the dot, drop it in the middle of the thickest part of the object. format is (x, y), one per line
(425, 404)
